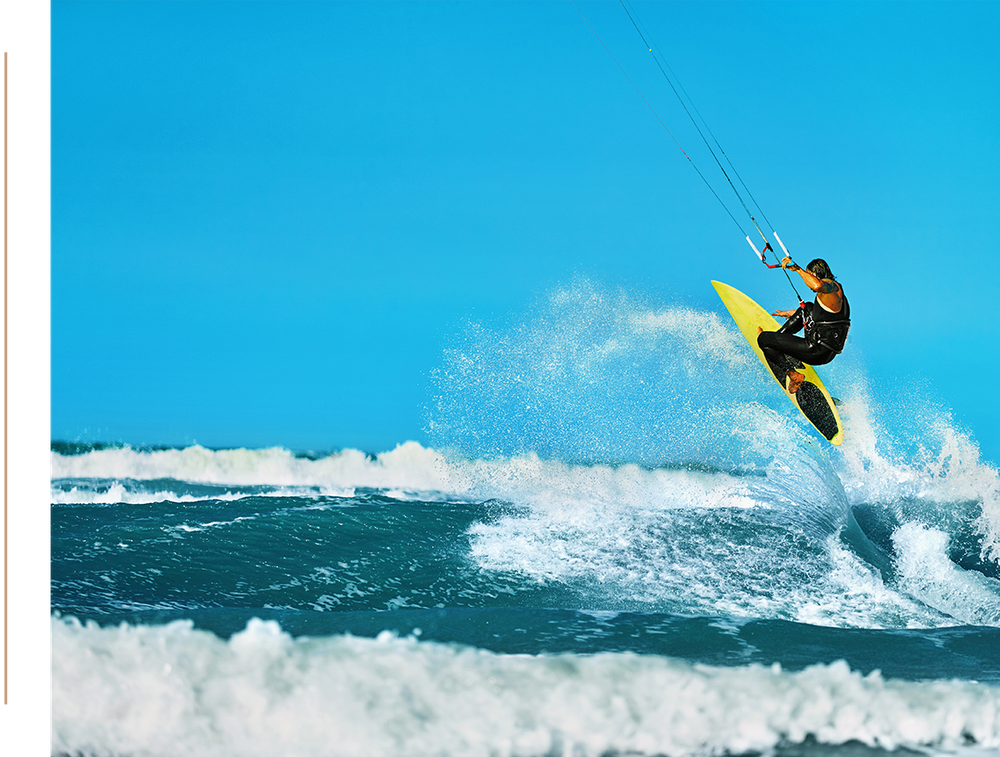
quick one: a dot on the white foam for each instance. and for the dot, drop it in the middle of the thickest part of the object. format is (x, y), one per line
(945, 477)
(854, 594)
(407, 472)
(175, 691)
(927, 573)
(408, 466)
(117, 493)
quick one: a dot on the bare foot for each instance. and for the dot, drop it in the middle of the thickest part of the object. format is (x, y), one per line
(795, 380)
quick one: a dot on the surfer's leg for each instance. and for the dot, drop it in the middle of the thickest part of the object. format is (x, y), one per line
(779, 351)
(792, 325)
(785, 355)
(794, 349)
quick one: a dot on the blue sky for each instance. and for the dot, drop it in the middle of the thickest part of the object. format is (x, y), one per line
(268, 219)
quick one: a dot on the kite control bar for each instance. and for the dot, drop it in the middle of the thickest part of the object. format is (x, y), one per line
(760, 254)
(767, 246)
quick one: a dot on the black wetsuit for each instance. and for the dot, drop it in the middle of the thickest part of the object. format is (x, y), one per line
(825, 335)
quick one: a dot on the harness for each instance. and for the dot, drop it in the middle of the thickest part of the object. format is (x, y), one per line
(831, 335)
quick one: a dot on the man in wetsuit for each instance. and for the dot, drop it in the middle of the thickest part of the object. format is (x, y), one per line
(826, 322)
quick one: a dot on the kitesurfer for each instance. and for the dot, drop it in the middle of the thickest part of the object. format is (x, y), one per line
(826, 322)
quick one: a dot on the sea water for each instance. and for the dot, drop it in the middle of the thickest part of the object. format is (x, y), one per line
(617, 538)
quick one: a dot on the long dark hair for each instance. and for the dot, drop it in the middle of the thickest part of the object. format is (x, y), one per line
(820, 268)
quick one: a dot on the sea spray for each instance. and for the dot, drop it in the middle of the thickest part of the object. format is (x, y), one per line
(593, 376)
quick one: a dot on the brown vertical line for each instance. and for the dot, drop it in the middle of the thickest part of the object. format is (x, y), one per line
(5, 58)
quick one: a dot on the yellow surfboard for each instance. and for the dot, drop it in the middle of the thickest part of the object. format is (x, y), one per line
(812, 399)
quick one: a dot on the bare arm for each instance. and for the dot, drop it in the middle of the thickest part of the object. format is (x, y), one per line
(827, 290)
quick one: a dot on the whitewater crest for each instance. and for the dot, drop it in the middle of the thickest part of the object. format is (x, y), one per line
(263, 692)
(409, 466)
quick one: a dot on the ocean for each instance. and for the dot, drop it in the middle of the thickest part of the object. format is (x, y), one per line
(617, 538)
